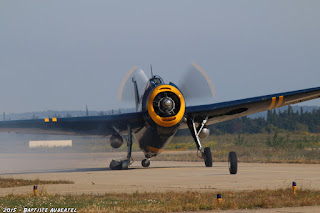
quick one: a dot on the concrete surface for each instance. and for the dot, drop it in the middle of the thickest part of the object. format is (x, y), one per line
(91, 174)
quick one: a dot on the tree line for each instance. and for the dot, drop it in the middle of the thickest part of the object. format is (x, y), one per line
(276, 120)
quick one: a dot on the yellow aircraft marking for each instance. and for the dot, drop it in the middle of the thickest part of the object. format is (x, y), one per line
(47, 120)
(273, 102)
(152, 149)
(280, 101)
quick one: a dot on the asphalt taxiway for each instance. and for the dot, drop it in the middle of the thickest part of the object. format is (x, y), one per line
(91, 174)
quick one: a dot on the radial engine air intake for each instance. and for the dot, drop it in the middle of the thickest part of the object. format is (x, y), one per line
(166, 105)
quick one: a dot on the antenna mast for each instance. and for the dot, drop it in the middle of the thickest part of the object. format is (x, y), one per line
(151, 71)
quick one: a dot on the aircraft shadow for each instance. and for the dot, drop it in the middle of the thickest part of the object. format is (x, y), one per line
(92, 170)
(58, 171)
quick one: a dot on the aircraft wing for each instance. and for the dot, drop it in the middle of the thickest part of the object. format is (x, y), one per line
(103, 125)
(224, 111)
(88, 125)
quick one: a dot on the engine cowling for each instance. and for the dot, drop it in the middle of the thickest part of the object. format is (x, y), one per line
(205, 132)
(166, 105)
(116, 141)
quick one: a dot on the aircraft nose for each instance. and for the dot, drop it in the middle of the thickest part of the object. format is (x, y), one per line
(167, 103)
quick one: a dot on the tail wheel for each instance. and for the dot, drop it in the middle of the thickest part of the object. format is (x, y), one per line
(233, 163)
(145, 163)
(207, 157)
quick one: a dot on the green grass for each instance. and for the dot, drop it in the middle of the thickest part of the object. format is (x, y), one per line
(267, 148)
(166, 202)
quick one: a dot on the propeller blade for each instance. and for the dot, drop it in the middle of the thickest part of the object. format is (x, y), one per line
(124, 80)
(126, 90)
(196, 84)
(210, 84)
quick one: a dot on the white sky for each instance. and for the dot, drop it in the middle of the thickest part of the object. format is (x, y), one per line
(62, 55)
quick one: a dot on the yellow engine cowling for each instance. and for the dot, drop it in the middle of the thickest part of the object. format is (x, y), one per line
(166, 105)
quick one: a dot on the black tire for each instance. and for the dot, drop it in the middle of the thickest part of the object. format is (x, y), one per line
(207, 157)
(233, 163)
(125, 165)
(145, 163)
(115, 165)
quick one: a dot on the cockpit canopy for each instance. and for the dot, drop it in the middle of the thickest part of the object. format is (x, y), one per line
(156, 80)
(152, 83)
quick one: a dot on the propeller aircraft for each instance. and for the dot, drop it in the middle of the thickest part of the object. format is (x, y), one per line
(160, 111)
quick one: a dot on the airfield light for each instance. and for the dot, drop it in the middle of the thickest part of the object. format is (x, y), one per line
(294, 187)
(35, 190)
(219, 199)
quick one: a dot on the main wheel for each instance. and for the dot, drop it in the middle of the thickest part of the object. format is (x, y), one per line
(115, 165)
(125, 165)
(145, 163)
(207, 157)
(233, 163)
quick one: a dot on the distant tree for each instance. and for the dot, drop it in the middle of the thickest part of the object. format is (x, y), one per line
(290, 110)
(4, 116)
(87, 111)
(301, 114)
(276, 120)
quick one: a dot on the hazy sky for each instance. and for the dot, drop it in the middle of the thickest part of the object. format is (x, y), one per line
(65, 54)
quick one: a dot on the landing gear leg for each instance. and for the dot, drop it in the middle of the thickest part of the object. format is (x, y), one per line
(206, 152)
(123, 164)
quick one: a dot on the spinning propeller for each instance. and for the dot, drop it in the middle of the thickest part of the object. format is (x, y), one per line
(195, 85)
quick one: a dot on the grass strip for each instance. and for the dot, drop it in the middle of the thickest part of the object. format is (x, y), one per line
(166, 202)
(187, 156)
(13, 182)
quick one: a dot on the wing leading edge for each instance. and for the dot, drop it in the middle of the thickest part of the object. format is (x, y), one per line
(103, 125)
(89, 125)
(224, 111)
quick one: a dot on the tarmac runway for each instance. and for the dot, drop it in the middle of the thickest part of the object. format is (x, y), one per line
(91, 174)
